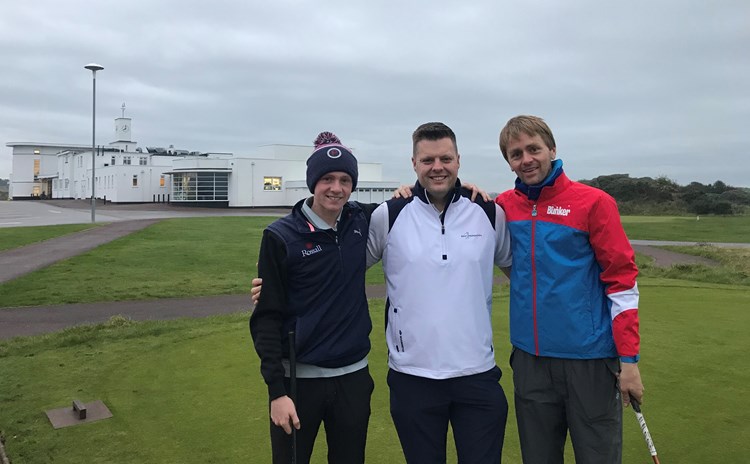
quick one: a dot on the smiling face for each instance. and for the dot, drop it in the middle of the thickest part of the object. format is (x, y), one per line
(331, 193)
(436, 163)
(530, 158)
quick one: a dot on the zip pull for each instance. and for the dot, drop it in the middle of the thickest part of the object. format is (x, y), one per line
(533, 211)
(442, 232)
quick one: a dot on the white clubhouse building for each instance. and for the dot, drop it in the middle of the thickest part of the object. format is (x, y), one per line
(274, 176)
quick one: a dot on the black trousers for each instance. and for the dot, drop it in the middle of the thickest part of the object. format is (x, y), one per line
(342, 404)
(475, 406)
(555, 396)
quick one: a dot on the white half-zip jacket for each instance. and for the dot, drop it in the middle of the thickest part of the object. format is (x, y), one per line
(439, 271)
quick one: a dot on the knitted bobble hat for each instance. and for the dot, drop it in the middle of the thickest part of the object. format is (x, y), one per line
(329, 156)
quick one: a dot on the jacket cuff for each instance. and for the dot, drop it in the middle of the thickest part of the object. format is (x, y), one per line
(276, 390)
(630, 359)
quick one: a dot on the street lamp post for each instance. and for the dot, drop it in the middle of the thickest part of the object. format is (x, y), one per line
(93, 67)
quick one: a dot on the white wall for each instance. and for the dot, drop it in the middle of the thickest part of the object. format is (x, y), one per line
(23, 181)
(246, 187)
(246, 181)
(23, 173)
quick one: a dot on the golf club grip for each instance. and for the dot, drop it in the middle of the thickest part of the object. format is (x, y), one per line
(644, 428)
(636, 405)
(292, 367)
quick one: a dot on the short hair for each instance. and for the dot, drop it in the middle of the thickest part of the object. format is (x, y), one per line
(432, 131)
(529, 125)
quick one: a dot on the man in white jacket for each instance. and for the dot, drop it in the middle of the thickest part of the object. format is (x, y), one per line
(438, 250)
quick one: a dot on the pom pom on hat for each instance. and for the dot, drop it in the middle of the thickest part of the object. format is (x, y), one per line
(326, 138)
(330, 155)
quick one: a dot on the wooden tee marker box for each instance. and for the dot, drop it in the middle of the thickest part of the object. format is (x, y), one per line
(79, 413)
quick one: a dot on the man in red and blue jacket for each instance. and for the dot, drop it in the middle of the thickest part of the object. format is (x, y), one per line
(573, 305)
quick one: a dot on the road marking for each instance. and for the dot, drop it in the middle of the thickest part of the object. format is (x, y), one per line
(54, 211)
(9, 223)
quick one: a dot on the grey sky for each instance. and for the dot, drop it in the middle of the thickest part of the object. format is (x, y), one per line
(642, 87)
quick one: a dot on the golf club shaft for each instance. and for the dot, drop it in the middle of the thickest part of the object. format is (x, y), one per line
(293, 389)
(644, 429)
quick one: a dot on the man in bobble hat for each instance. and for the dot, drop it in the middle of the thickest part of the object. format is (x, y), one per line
(312, 263)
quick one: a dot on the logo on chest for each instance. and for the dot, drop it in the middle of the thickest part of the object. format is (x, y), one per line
(557, 211)
(311, 251)
(469, 235)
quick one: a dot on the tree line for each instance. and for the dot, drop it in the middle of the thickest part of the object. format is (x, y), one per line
(649, 196)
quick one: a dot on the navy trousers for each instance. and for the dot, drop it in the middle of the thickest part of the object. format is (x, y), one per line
(342, 404)
(475, 406)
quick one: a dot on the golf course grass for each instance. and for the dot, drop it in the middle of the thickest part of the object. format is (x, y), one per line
(726, 229)
(14, 237)
(190, 391)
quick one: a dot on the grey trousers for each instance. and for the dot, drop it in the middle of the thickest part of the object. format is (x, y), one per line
(555, 396)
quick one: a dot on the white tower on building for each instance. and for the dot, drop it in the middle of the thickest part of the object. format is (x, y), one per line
(122, 127)
(123, 134)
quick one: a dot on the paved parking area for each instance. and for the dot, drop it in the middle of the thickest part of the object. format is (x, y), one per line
(51, 212)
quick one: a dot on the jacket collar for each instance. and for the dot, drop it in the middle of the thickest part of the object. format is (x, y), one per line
(304, 225)
(534, 191)
(419, 192)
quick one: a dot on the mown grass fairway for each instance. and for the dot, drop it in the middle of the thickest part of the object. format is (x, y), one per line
(190, 390)
(14, 237)
(173, 258)
(728, 229)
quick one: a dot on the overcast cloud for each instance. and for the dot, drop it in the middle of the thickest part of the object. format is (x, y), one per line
(647, 88)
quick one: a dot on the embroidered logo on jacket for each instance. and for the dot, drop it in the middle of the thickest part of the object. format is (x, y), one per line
(468, 235)
(357, 231)
(557, 211)
(312, 251)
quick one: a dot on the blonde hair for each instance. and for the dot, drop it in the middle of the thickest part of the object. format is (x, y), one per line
(524, 124)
